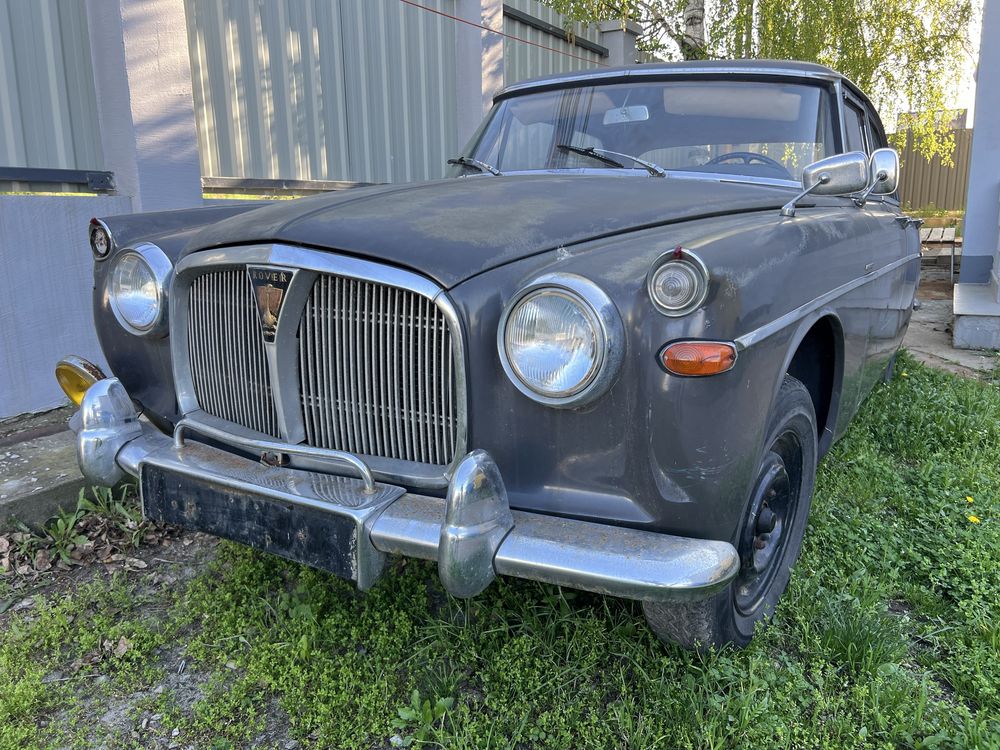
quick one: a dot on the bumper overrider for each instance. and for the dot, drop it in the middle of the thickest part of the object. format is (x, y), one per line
(349, 525)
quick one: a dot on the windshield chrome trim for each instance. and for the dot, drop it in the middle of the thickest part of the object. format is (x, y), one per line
(661, 72)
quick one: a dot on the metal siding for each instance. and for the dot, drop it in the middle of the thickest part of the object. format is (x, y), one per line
(929, 184)
(358, 90)
(48, 113)
(523, 61)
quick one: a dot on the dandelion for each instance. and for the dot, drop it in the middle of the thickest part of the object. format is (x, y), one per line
(968, 498)
(905, 374)
(974, 519)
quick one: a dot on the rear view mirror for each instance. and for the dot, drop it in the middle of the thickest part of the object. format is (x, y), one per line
(633, 113)
(840, 174)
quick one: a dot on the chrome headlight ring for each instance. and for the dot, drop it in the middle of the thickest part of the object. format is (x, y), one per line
(148, 258)
(609, 331)
(686, 291)
(102, 242)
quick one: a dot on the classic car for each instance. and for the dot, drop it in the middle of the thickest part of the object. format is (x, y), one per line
(606, 352)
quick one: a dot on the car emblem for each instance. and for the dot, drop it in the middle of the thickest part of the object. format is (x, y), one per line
(270, 285)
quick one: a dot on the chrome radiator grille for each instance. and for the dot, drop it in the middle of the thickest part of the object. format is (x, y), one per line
(376, 372)
(228, 364)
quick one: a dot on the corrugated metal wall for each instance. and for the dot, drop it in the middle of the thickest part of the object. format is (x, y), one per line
(929, 184)
(48, 114)
(522, 61)
(360, 90)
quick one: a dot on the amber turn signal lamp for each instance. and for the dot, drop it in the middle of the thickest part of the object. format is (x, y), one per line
(75, 375)
(698, 358)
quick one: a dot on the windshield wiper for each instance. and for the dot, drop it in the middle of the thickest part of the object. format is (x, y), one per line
(468, 161)
(592, 153)
(602, 154)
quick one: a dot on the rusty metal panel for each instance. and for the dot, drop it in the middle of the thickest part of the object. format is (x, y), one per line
(523, 60)
(48, 111)
(356, 90)
(930, 184)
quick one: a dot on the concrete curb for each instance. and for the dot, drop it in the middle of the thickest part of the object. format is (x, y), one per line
(38, 478)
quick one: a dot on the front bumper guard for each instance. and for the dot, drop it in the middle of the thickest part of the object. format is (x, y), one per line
(472, 533)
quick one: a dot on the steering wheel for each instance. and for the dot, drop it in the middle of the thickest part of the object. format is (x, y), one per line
(746, 157)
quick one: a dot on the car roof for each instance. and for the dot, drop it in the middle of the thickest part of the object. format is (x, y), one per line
(782, 68)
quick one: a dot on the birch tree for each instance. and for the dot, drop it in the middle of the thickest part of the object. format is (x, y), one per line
(907, 55)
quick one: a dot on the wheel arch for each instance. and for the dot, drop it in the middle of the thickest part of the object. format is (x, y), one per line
(816, 358)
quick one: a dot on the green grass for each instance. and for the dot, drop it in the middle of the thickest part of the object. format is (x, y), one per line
(889, 635)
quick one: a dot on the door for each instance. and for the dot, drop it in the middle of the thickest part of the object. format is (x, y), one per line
(888, 294)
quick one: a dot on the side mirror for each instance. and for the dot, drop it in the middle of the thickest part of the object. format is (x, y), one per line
(840, 174)
(883, 174)
(883, 171)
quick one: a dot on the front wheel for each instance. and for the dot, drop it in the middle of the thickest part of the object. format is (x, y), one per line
(770, 538)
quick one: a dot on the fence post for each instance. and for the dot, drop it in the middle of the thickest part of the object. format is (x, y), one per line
(142, 78)
(620, 41)
(479, 62)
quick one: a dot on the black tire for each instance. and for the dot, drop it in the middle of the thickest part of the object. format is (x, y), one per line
(729, 617)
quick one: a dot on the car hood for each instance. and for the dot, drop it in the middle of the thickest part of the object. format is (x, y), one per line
(454, 229)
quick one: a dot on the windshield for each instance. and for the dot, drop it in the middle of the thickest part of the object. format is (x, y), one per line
(769, 130)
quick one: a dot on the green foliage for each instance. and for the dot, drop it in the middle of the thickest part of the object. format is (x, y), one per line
(122, 510)
(63, 535)
(422, 718)
(888, 637)
(908, 57)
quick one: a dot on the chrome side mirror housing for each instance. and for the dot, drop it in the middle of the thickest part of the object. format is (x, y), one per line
(883, 171)
(883, 174)
(840, 174)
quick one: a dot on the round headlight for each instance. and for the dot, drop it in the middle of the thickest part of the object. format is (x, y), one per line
(561, 340)
(680, 284)
(554, 343)
(137, 289)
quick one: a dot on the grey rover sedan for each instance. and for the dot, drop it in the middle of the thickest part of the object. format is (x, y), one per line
(606, 352)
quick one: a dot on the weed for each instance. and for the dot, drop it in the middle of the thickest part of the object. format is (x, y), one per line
(420, 720)
(64, 535)
(864, 640)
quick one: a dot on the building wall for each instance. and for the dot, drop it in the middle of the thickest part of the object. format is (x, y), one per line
(48, 111)
(981, 252)
(523, 61)
(45, 293)
(358, 90)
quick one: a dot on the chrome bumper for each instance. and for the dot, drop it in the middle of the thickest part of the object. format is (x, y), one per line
(472, 534)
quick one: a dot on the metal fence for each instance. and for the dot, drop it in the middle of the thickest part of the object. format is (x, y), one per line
(532, 21)
(930, 184)
(48, 111)
(356, 90)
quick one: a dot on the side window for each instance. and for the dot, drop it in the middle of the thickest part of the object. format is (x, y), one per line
(854, 121)
(876, 138)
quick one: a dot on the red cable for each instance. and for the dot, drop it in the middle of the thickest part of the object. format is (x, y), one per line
(501, 33)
